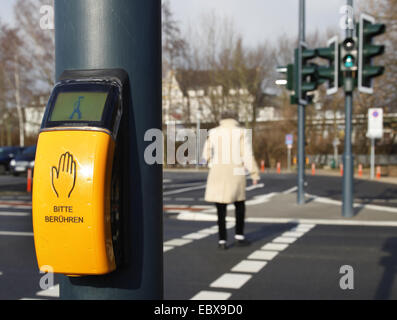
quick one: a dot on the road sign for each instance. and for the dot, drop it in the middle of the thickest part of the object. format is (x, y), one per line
(289, 140)
(375, 123)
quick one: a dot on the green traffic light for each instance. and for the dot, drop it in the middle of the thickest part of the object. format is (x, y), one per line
(349, 61)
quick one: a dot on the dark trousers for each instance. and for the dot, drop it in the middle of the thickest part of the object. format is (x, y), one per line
(240, 216)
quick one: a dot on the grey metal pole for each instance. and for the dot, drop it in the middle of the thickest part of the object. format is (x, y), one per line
(372, 158)
(348, 171)
(101, 34)
(301, 109)
(289, 159)
(336, 155)
(347, 208)
(198, 141)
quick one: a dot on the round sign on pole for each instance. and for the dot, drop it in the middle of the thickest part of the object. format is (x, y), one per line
(375, 123)
(289, 140)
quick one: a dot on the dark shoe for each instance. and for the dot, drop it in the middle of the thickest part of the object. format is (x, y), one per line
(242, 243)
(222, 246)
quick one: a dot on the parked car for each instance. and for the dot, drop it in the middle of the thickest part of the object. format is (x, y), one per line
(6, 155)
(22, 162)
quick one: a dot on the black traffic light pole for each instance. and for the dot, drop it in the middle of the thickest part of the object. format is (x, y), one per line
(301, 109)
(101, 34)
(348, 169)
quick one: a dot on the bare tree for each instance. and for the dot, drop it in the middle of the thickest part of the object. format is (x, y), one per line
(174, 48)
(16, 69)
(38, 44)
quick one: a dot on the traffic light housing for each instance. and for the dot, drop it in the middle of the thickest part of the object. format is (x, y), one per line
(308, 72)
(330, 73)
(289, 80)
(367, 29)
(348, 59)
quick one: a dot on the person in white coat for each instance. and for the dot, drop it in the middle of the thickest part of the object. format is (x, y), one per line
(228, 152)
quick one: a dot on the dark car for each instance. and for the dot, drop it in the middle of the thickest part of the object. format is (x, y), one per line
(22, 162)
(6, 155)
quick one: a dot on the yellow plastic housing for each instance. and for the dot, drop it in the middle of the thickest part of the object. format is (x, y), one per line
(71, 202)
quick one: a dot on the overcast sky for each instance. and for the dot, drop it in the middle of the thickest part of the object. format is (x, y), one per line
(259, 20)
(256, 20)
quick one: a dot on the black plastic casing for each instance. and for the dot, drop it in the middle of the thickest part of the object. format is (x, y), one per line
(113, 81)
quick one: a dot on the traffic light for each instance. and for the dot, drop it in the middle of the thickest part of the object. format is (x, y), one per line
(288, 82)
(309, 71)
(367, 30)
(330, 73)
(308, 81)
(348, 61)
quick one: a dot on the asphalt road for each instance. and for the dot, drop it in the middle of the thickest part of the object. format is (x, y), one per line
(365, 192)
(284, 261)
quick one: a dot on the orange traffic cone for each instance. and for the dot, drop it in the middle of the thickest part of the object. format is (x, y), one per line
(29, 182)
(341, 169)
(378, 172)
(360, 170)
(313, 169)
(263, 166)
(278, 167)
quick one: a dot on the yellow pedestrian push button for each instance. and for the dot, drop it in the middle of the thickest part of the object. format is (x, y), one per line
(76, 196)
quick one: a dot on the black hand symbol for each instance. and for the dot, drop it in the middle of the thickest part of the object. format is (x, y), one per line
(63, 178)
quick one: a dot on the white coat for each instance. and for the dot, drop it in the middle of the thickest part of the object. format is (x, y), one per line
(228, 152)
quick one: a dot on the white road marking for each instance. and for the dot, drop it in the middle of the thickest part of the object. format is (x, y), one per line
(205, 216)
(254, 263)
(201, 207)
(195, 236)
(263, 255)
(275, 246)
(249, 266)
(355, 205)
(256, 186)
(177, 206)
(284, 240)
(230, 224)
(1, 273)
(293, 189)
(52, 292)
(306, 225)
(189, 184)
(167, 248)
(16, 234)
(3, 206)
(329, 222)
(261, 199)
(211, 295)
(293, 234)
(167, 193)
(188, 238)
(184, 199)
(231, 281)
(209, 231)
(14, 214)
(177, 242)
(21, 207)
(301, 228)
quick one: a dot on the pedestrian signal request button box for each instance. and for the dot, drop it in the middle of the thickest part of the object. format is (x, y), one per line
(75, 185)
